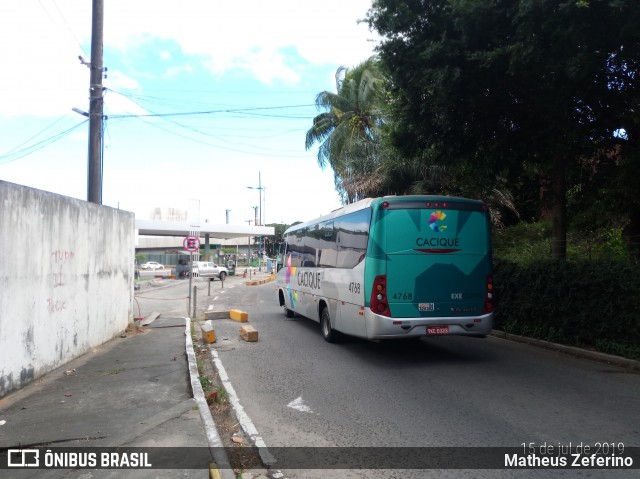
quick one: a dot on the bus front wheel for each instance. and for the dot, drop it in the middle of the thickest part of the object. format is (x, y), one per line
(288, 313)
(328, 333)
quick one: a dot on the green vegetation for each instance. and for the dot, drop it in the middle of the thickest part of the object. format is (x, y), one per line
(217, 395)
(525, 243)
(529, 106)
(526, 102)
(592, 304)
(592, 300)
(205, 382)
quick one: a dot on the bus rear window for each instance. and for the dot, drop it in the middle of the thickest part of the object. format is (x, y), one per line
(436, 231)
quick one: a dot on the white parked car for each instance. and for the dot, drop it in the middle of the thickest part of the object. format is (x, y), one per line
(151, 265)
(206, 269)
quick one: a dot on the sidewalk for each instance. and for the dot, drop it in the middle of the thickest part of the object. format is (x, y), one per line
(133, 391)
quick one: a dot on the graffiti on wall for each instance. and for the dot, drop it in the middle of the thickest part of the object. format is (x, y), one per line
(60, 259)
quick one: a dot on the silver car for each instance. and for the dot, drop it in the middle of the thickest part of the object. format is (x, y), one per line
(151, 265)
(206, 269)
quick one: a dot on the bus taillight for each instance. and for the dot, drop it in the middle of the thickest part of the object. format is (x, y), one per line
(437, 204)
(379, 303)
(488, 300)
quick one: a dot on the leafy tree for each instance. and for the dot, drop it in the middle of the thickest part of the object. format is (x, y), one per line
(348, 131)
(511, 89)
(272, 243)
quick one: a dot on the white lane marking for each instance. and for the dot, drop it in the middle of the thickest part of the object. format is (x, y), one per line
(299, 405)
(245, 421)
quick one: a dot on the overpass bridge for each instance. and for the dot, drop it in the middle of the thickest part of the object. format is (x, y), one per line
(163, 238)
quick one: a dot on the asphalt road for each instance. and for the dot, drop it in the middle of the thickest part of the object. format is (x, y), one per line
(447, 391)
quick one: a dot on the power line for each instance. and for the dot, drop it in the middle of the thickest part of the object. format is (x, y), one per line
(166, 117)
(9, 156)
(206, 112)
(34, 136)
(208, 143)
(64, 20)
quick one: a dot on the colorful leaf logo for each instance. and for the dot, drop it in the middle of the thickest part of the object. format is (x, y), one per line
(435, 221)
(291, 271)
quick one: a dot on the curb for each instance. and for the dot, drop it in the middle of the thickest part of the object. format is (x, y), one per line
(261, 281)
(148, 285)
(222, 466)
(572, 350)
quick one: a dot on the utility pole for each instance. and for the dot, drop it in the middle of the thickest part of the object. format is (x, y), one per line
(227, 213)
(259, 218)
(260, 191)
(260, 252)
(94, 170)
(249, 250)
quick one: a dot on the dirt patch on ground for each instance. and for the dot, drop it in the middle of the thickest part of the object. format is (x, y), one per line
(132, 330)
(242, 454)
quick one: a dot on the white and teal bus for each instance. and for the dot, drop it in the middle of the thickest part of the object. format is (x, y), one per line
(392, 267)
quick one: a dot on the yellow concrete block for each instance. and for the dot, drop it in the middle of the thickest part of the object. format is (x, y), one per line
(238, 315)
(208, 334)
(249, 333)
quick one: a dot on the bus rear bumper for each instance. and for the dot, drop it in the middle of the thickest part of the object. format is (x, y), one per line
(384, 327)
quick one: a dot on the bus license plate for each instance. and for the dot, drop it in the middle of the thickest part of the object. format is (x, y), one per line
(437, 330)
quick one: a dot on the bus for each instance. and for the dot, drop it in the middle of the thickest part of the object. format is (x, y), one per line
(392, 267)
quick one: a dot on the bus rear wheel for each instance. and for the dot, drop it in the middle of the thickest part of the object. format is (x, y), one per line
(288, 313)
(328, 333)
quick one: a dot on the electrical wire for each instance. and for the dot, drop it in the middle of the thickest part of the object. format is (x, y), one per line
(166, 117)
(36, 135)
(15, 154)
(9, 157)
(246, 110)
(64, 20)
(208, 143)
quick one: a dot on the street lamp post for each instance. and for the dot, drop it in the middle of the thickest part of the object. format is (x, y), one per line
(260, 189)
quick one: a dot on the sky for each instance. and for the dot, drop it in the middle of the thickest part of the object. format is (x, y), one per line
(204, 98)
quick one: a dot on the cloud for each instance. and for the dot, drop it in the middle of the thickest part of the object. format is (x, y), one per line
(40, 42)
(117, 80)
(249, 35)
(41, 74)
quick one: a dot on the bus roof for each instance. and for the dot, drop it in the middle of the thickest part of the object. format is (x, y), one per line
(367, 202)
(350, 208)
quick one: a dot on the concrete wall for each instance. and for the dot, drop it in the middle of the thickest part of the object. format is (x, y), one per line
(66, 280)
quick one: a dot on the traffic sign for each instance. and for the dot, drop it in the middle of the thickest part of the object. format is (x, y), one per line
(191, 243)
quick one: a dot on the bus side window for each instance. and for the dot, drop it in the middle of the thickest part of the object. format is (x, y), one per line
(327, 247)
(294, 249)
(309, 249)
(353, 238)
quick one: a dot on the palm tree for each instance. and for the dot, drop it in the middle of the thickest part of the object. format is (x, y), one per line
(349, 130)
